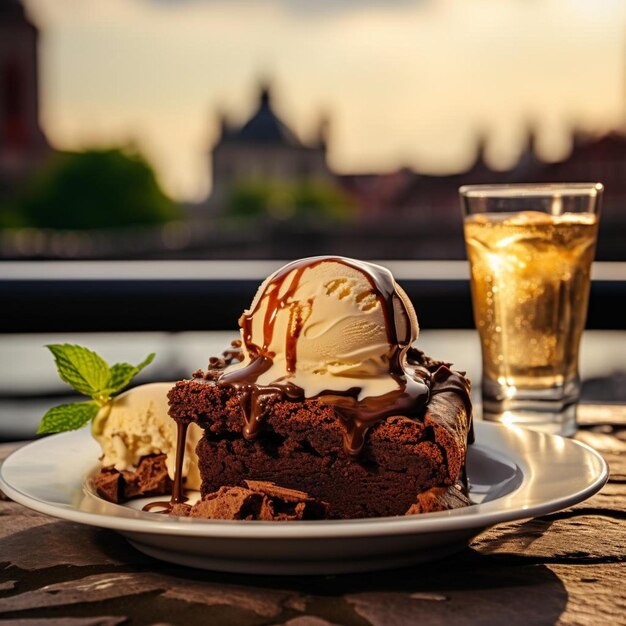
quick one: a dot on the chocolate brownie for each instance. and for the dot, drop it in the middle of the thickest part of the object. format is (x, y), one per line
(407, 463)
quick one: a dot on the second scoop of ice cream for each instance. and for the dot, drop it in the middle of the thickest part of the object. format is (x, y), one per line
(135, 424)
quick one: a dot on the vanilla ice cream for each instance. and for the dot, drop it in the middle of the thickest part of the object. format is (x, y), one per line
(136, 423)
(329, 323)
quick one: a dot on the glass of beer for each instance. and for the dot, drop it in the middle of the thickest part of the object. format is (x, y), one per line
(530, 249)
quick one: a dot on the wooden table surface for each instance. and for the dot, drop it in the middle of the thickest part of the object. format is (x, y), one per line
(564, 568)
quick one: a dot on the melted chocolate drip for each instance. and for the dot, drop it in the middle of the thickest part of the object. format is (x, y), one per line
(359, 416)
(446, 380)
(178, 495)
(252, 397)
(166, 506)
(181, 439)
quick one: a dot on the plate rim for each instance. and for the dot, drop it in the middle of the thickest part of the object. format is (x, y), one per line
(478, 516)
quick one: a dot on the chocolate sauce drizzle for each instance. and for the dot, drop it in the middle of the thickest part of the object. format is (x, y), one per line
(178, 497)
(415, 384)
(358, 416)
(165, 506)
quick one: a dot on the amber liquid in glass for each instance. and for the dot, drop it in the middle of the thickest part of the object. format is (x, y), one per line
(530, 283)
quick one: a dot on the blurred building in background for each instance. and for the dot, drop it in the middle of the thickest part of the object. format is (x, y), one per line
(407, 214)
(23, 145)
(264, 148)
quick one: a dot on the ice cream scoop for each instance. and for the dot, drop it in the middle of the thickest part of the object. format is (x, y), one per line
(135, 424)
(330, 323)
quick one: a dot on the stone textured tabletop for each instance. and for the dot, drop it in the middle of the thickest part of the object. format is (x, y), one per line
(564, 568)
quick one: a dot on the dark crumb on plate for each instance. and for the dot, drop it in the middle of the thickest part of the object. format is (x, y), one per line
(260, 500)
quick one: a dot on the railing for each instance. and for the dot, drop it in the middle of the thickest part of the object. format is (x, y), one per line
(77, 296)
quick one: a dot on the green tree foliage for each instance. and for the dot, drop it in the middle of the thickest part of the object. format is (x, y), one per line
(105, 188)
(282, 200)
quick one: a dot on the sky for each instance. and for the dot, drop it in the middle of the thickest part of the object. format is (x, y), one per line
(405, 83)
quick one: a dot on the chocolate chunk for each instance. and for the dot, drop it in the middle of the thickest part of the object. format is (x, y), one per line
(217, 363)
(150, 478)
(265, 501)
(229, 503)
(276, 491)
(281, 503)
(108, 485)
(439, 499)
(180, 509)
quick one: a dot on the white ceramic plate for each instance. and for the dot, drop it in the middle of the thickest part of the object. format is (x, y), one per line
(514, 474)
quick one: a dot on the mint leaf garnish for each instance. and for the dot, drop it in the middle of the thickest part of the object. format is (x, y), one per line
(90, 375)
(80, 368)
(68, 417)
(122, 373)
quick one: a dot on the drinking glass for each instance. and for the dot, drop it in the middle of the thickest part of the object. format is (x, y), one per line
(530, 248)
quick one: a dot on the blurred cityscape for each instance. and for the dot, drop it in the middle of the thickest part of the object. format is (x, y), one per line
(273, 194)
